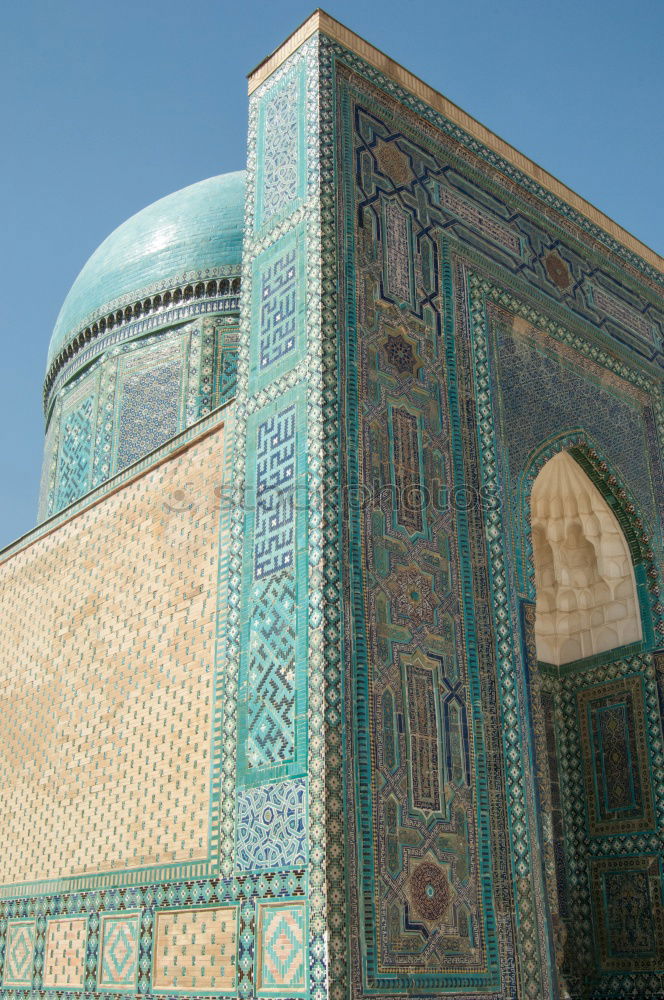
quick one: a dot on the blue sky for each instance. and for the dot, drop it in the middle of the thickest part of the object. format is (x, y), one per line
(108, 106)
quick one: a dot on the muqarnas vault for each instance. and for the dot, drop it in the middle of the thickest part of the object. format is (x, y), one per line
(335, 665)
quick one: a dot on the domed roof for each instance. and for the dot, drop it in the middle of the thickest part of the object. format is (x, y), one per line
(196, 228)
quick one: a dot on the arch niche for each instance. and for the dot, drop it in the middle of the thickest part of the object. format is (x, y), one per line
(587, 601)
(587, 616)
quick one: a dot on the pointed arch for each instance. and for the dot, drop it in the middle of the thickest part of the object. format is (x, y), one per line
(623, 507)
(587, 601)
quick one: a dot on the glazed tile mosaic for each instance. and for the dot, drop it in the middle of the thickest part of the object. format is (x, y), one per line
(278, 289)
(118, 951)
(410, 705)
(75, 454)
(131, 400)
(19, 953)
(616, 768)
(141, 392)
(280, 149)
(281, 960)
(628, 906)
(334, 490)
(272, 826)
(424, 897)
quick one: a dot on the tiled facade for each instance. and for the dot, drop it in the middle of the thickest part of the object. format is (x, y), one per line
(279, 727)
(133, 398)
(118, 951)
(19, 954)
(281, 966)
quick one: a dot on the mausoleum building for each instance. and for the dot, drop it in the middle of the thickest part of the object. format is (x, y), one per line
(334, 667)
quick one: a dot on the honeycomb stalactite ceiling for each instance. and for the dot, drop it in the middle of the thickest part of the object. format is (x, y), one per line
(586, 593)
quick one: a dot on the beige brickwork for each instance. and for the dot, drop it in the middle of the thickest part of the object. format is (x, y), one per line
(107, 636)
(196, 949)
(64, 954)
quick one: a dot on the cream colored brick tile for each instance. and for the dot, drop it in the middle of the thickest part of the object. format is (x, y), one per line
(106, 655)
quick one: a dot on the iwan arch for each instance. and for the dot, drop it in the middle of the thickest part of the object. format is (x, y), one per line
(262, 738)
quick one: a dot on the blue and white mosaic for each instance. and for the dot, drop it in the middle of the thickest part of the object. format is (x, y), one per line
(272, 826)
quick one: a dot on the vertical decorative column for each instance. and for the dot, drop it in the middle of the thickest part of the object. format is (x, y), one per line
(283, 571)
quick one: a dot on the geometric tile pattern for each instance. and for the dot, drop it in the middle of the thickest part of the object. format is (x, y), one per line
(609, 743)
(118, 951)
(281, 949)
(271, 718)
(196, 950)
(278, 304)
(419, 912)
(271, 826)
(48, 463)
(521, 438)
(280, 151)
(132, 399)
(517, 235)
(226, 375)
(614, 741)
(326, 564)
(628, 913)
(397, 242)
(271, 679)
(269, 692)
(278, 291)
(150, 408)
(147, 900)
(19, 953)
(596, 368)
(219, 363)
(559, 873)
(529, 366)
(64, 955)
(293, 559)
(75, 453)
(406, 464)
(275, 493)
(106, 702)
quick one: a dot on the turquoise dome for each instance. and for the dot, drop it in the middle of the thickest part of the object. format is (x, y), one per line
(196, 228)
